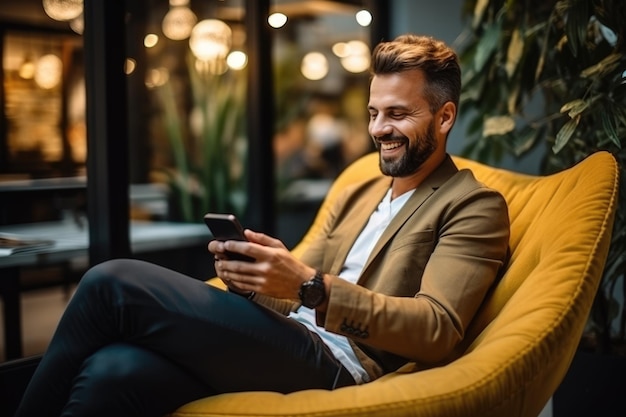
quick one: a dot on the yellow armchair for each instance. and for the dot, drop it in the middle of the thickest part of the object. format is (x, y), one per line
(522, 341)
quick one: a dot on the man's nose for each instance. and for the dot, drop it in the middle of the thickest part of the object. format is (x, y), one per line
(379, 127)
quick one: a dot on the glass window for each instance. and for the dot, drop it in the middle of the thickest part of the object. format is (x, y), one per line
(321, 62)
(187, 76)
(43, 106)
(43, 125)
(186, 69)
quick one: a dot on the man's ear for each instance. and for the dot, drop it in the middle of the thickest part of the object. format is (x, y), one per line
(446, 117)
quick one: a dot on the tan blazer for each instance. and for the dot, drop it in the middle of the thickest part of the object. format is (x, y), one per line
(425, 278)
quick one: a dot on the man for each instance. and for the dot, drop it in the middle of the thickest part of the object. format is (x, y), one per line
(399, 270)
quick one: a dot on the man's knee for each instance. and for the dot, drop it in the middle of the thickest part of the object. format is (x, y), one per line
(112, 367)
(109, 274)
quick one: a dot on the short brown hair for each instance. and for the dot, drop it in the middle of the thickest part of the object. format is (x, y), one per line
(438, 62)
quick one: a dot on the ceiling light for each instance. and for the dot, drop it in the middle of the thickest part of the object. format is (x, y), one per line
(356, 57)
(210, 40)
(178, 23)
(363, 18)
(48, 71)
(237, 60)
(129, 66)
(277, 20)
(314, 66)
(63, 10)
(150, 40)
(340, 49)
(27, 69)
(157, 77)
(77, 24)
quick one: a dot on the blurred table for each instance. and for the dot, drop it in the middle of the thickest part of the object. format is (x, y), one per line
(69, 242)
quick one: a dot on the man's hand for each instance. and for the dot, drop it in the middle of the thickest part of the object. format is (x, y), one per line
(276, 272)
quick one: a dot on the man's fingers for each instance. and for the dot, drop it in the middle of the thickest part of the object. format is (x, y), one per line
(263, 239)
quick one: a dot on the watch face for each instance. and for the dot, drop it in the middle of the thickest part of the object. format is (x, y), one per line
(312, 293)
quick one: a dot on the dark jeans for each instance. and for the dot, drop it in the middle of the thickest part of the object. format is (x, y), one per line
(139, 339)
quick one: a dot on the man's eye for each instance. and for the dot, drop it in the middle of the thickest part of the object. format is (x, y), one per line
(396, 115)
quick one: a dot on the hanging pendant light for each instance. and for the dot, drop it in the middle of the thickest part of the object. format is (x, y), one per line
(210, 39)
(78, 24)
(179, 20)
(63, 10)
(210, 42)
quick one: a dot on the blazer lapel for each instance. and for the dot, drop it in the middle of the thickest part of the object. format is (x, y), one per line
(426, 189)
(355, 222)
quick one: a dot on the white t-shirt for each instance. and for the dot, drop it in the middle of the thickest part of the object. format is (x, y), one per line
(358, 255)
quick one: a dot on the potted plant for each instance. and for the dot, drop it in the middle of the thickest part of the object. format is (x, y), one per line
(553, 74)
(207, 141)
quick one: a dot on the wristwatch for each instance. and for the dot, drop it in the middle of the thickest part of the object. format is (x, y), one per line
(313, 293)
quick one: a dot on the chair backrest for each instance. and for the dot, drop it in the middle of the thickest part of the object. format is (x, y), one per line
(561, 228)
(560, 233)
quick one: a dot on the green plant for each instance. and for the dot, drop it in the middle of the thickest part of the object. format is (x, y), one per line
(553, 74)
(208, 143)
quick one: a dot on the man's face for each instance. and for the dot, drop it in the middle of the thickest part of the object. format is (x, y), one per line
(401, 124)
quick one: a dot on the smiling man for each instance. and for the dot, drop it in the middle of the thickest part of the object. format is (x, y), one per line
(409, 131)
(397, 273)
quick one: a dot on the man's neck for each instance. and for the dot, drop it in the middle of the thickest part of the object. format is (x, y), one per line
(401, 185)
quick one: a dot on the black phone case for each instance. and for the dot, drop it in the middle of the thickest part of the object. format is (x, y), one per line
(226, 227)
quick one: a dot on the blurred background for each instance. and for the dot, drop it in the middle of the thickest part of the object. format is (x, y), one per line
(122, 123)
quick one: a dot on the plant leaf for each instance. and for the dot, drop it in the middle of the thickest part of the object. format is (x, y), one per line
(605, 66)
(486, 46)
(525, 140)
(544, 49)
(576, 24)
(479, 12)
(574, 107)
(498, 125)
(564, 134)
(514, 52)
(511, 102)
(610, 126)
(620, 114)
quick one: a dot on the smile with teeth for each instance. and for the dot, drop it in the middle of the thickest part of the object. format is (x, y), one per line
(387, 146)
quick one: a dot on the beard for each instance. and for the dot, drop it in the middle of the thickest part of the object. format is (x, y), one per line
(417, 152)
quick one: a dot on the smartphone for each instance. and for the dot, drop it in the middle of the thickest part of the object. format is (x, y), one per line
(226, 227)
